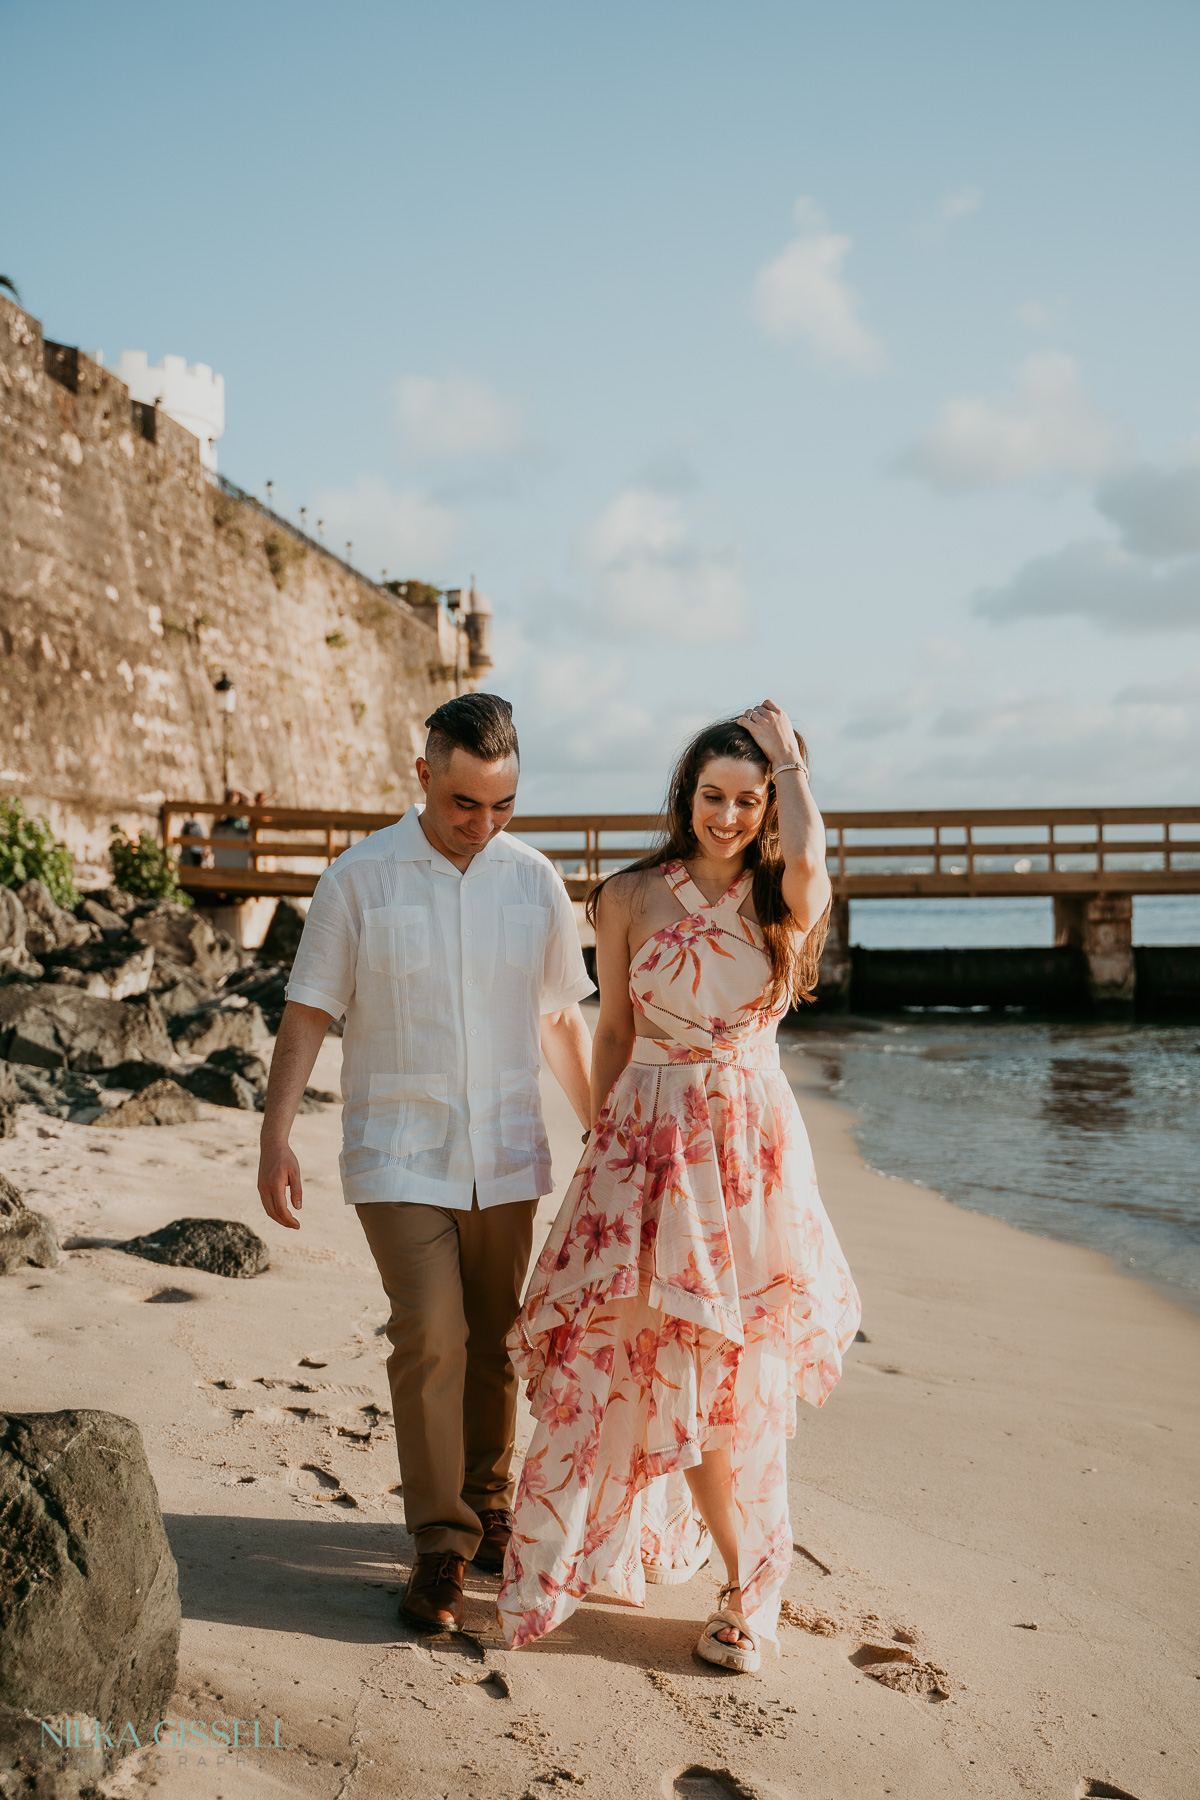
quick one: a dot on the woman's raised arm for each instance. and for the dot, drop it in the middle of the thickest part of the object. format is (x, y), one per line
(806, 886)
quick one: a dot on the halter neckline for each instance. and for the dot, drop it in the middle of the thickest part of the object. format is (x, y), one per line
(689, 894)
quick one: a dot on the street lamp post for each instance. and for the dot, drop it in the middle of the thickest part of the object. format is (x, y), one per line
(227, 702)
(453, 606)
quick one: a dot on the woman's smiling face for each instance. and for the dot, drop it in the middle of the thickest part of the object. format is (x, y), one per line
(728, 806)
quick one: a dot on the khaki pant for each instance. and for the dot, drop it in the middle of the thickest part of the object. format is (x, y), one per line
(454, 1280)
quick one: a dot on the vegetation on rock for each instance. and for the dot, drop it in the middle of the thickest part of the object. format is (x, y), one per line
(29, 851)
(143, 867)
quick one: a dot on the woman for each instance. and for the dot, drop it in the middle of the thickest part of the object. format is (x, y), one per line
(692, 1285)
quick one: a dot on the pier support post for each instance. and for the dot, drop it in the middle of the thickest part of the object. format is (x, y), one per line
(1101, 925)
(833, 976)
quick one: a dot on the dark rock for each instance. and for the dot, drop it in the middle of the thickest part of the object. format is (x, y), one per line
(162, 1103)
(12, 926)
(217, 1027)
(93, 909)
(26, 1237)
(48, 926)
(220, 1087)
(185, 936)
(117, 900)
(34, 1769)
(15, 959)
(55, 1027)
(283, 935)
(243, 1062)
(138, 1075)
(183, 993)
(89, 1607)
(267, 988)
(218, 1246)
(60, 1093)
(111, 970)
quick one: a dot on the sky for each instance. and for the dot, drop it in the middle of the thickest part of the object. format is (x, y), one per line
(846, 355)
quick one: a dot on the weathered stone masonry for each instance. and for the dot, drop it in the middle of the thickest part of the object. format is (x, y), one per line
(129, 582)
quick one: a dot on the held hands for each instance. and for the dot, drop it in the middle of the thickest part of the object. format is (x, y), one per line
(773, 732)
(278, 1181)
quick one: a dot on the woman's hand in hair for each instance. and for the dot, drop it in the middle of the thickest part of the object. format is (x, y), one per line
(773, 732)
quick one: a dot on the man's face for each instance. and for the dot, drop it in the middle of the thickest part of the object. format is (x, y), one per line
(468, 801)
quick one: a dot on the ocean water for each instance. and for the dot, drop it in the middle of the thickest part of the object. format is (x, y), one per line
(1028, 924)
(1085, 1132)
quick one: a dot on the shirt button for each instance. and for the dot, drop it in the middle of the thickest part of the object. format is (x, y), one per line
(474, 1033)
(470, 984)
(467, 932)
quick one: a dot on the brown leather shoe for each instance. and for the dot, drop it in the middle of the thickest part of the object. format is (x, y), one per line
(434, 1596)
(497, 1529)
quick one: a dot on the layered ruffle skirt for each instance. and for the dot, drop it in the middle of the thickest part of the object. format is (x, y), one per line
(691, 1288)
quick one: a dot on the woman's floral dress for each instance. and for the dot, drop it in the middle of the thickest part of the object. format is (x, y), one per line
(690, 1288)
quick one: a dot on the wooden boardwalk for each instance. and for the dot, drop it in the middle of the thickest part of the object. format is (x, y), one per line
(972, 852)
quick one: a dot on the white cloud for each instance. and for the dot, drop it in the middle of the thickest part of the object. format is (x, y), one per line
(455, 416)
(1132, 738)
(648, 574)
(957, 203)
(802, 295)
(1103, 582)
(1156, 508)
(406, 533)
(1048, 427)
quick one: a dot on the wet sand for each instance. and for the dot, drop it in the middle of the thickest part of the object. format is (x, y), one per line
(1014, 1445)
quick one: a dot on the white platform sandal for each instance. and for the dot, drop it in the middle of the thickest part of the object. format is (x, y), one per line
(675, 1574)
(729, 1656)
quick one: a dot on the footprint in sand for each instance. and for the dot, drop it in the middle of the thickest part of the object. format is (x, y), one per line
(169, 1297)
(899, 1669)
(1102, 1790)
(698, 1783)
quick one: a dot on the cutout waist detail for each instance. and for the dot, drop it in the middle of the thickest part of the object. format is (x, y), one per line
(727, 1053)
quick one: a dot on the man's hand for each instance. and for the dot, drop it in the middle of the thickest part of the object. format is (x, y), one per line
(301, 1033)
(278, 1182)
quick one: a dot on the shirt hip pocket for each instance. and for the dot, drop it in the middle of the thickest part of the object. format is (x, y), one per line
(396, 939)
(407, 1113)
(521, 1125)
(525, 929)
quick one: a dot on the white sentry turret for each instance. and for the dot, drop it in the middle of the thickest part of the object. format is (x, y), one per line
(194, 397)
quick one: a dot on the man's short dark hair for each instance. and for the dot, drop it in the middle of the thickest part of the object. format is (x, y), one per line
(480, 724)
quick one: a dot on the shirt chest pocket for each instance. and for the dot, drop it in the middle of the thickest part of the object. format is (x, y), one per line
(396, 939)
(525, 929)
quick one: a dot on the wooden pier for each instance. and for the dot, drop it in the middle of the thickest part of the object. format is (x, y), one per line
(1091, 860)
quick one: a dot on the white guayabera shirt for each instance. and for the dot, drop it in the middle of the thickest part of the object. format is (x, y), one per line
(442, 977)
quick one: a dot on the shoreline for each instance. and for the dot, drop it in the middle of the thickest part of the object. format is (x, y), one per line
(804, 1042)
(1013, 1445)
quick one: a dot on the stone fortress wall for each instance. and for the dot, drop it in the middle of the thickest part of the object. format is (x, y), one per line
(130, 581)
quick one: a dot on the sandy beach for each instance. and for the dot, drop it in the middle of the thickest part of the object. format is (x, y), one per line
(1005, 1487)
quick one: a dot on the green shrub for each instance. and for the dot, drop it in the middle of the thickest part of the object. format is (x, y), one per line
(141, 866)
(29, 851)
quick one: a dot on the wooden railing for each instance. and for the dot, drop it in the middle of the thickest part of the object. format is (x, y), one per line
(304, 841)
(1029, 850)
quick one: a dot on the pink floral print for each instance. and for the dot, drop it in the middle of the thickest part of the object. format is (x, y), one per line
(690, 1290)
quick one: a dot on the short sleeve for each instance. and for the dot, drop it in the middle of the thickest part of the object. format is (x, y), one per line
(323, 972)
(564, 974)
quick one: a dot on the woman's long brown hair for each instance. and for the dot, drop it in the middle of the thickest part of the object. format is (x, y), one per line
(793, 960)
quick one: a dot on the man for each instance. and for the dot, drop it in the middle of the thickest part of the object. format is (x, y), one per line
(445, 945)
